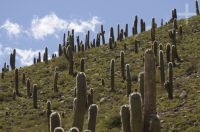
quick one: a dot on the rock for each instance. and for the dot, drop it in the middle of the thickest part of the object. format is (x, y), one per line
(183, 94)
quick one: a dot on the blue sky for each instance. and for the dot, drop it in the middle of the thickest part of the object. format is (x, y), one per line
(30, 25)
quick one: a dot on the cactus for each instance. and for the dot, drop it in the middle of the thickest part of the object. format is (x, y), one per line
(82, 64)
(125, 118)
(118, 32)
(162, 22)
(102, 34)
(175, 25)
(155, 50)
(172, 35)
(128, 80)
(180, 30)
(136, 46)
(60, 52)
(17, 81)
(168, 48)
(2, 73)
(154, 123)
(112, 74)
(64, 38)
(197, 7)
(141, 84)
(90, 97)
(142, 25)
(34, 60)
(55, 121)
(48, 112)
(69, 56)
(161, 67)
(122, 64)
(12, 59)
(28, 87)
(110, 43)
(23, 78)
(173, 55)
(39, 58)
(135, 102)
(58, 129)
(35, 96)
(126, 31)
(79, 112)
(153, 30)
(149, 86)
(102, 82)
(174, 14)
(92, 114)
(135, 26)
(74, 104)
(169, 83)
(55, 81)
(160, 47)
(112, 35)
(45, 57)
(74, 129)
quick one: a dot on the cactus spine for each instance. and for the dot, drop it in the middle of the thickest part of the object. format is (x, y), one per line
(135, 102)
(68, 52)
(55, 121)
(128, 80)
(17, 81)
(92, 114)
(141, 83)
(82, 65)
(169, 83)
(125, 118)
(149, 87)
(161, 66)
(81, 101)
(122, 64)
(35, 96)
(112, 74)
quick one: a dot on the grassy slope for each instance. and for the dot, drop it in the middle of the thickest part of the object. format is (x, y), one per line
(176, 115)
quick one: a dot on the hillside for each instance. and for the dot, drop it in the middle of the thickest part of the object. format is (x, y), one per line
(178, 114)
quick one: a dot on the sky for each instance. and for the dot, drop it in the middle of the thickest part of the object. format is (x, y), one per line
(31, 25)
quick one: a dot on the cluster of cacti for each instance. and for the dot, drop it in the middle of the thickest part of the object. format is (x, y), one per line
(128, 80)
(112, 74)
(53, 56)
(142, 26)
(197, 7)
(134, 28)
(102, 35)
(16, 81)
(55, 121)
(55, 81)
(122, 63)
(69, 56)
(126, 31)
(169, 83)
(6, 67)
(153, 30)
(45, 56)
(92, 114)
(35, 96)
(81, 90)
(161, 67)
(12, 59)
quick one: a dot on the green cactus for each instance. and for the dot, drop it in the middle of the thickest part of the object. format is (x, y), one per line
(28, 87)
(122, 64)
(17, 82)
(125, 118)
(112, 74)
(45, 57)
(126, 31)
(136, 46)
(79, 112)
(112, 35)
(102, 34)
(118, 32)
(82, 64)
(141, 84)
(161, 67)
(74, 129)
(169, 83)
(64, 38)
(110, 43)
(197, 7)
(155, 50)
(173, 55)
(160, 47)
(180, 30)
(39, 58)
(90, 96)
(48, 112)
(149, 86)
(58, 129)
(135, 102)
(55, 121)
(2, 73)
(135, 25)
(55, 81)
(153, 30)
(175, 25)
(128, 80)
(23, 78)
(68, 53)
(35, 96)
(168, 49)
(92, 115)
(154, 123)
(60, 52)
(12, 59)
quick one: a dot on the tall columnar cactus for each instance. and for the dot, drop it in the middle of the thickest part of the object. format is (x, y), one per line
(23, 78)
(48, 112)
(160, 47)
(92, 115)
(153, 30)
(28, 87)
(45, 57)
(39, 58)
(55, 81)
(79, 112)
(110, 43)
(125, 118)
(128, 80)
(172, 35)
(35, 96)
(58, 129)
(136, 46)
(141, 84)
(169, 83)
(12, 59)
(154, 123)
(168, 53)
(90, 97)
(173, 54)
(135, 25)
(142, 25)
(82, 64)
(74, 129)
(122, 64)
(161, 67)
(197, 7)
(64, 38)
(175, 25)
(118, 32)
(102, 35)
(174, 14)
(69, 56)
(149, 86)
(17, 81)
(55, 121)
(112, 74)
(60, 51)
(155, 50)
(112, 34)
(136, 120)
(126, 31)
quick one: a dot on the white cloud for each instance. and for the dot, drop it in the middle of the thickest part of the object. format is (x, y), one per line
(47, 25)
(12, 29)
